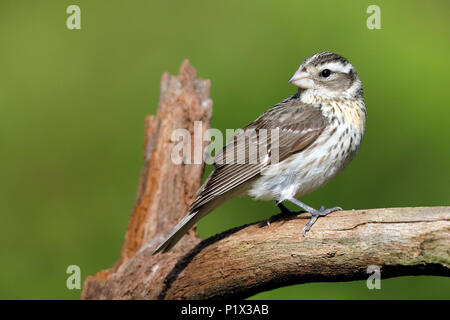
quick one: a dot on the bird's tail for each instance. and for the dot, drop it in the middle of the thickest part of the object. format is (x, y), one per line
(189, 220)
(178, 232)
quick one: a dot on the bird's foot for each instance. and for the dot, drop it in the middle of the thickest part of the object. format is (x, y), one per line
(315, 214)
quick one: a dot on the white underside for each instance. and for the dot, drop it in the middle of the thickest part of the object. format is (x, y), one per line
(308, 170)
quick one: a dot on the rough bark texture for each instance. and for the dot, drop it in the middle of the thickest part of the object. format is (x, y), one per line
(252, 258)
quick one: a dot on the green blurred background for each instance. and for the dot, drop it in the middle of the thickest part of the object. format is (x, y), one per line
(73, 103)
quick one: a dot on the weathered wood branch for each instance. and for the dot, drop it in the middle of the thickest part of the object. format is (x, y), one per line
(256, 257)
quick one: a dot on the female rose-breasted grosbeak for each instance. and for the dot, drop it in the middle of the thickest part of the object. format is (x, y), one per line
(319, 130)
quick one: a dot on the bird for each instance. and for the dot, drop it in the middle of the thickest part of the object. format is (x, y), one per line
(295, 148)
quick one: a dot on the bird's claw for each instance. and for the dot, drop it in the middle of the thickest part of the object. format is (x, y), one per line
(316, 214)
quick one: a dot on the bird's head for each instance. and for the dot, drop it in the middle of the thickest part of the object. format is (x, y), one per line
(327, 75)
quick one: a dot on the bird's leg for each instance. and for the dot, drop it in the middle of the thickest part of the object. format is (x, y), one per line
(284, 209)
(284, 213)
(315, 214)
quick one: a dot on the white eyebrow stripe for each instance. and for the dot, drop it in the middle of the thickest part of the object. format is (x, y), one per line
(338, 67)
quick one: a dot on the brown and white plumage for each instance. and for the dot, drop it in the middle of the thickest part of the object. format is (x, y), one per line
(318, 131)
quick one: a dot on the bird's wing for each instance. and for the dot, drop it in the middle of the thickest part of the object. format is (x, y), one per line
(251, 150)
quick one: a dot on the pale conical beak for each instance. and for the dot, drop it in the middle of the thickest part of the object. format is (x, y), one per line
(302, 79)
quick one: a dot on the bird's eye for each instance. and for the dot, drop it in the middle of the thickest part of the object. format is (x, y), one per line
(325, 73)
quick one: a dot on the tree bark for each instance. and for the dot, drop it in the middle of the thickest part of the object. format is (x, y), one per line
(256, 257)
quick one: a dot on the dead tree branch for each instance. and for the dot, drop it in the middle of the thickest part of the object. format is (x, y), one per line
(256, 257)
